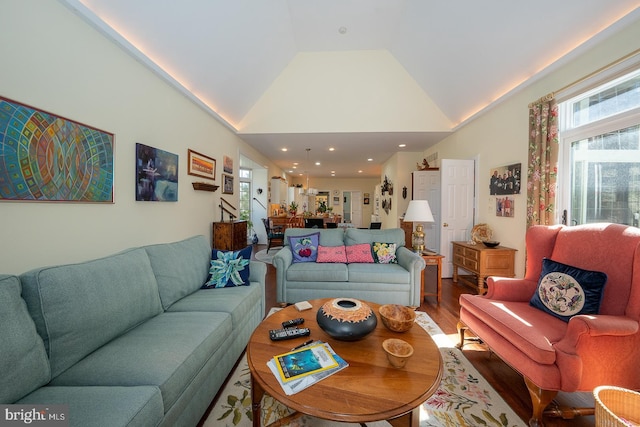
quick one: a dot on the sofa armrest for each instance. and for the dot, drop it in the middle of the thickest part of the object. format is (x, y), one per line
(282, 261)
(258, 274)
(596, 325)
(510, 289)
(414, 264)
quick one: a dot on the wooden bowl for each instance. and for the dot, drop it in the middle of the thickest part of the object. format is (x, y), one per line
(397, 318)
(398, 351)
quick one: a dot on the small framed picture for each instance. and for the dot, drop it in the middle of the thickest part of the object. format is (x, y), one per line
(227, 164)
(366, 200)
(227, 184)
(201, 165)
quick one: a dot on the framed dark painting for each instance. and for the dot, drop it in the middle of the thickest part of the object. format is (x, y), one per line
(48, 158)
(156, 175)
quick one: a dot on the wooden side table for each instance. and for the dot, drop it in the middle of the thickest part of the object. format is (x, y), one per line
(482, 262)
(432, 259)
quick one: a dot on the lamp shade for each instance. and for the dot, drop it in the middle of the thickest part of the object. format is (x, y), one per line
(418, 211)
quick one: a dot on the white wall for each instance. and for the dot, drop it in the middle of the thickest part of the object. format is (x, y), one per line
(53, 60)
(500, 136)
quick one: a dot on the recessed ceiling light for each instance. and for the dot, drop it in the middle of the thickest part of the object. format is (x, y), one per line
(402, 145)
(342, 30)
(360, 171)
(333, 174)
(369, 160)
(296, 163)
(331, 149)
(317, 163)
(284, 149)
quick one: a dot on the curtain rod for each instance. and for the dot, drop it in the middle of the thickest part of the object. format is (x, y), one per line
(551, 95)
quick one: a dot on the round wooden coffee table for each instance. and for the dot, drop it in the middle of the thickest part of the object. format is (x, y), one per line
(369, 389)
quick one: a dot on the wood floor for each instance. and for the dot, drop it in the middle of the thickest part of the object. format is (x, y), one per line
(507, 382)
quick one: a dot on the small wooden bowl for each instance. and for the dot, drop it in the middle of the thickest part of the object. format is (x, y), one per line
(398, 351)
(397, 318)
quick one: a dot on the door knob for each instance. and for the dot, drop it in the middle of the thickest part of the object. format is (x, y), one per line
(445, 225)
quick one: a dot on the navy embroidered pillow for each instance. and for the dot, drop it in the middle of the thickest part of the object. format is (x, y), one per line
(565, 291)
(229, 268)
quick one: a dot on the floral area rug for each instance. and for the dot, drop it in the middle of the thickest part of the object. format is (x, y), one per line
(464, 397)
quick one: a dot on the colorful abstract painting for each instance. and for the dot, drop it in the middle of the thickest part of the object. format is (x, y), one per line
(44, 157)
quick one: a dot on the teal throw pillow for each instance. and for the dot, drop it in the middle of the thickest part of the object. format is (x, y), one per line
(565, 291)
(384, 253)
(304, 248)
(229, 268)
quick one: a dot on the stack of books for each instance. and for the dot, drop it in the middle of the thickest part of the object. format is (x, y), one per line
(305, 366)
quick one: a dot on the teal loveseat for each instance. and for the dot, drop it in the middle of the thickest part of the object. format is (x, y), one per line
(380, 283)
(126, 340)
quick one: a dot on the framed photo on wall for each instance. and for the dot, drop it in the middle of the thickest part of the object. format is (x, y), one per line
(227, 184)
(201, 165)
(227, 164)
(505, 179)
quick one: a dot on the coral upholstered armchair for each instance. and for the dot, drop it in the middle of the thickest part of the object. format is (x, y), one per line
(574, 352)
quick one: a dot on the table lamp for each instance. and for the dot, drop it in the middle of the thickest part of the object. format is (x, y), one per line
(418, 211)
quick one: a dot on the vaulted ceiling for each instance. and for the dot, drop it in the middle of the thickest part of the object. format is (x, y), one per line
(361, 76)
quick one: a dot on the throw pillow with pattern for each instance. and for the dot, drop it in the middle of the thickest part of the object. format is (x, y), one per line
(384, 253)
(304, 248)
(565, 291)
(360, 252)
(229, 268)
(332, 254)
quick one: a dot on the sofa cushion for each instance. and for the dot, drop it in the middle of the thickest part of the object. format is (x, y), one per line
(229, 268)
(530, 330)
(304, 248)
(239, 301)
(328, 237)
(315, 272)
(354, 236)
(359, 253)
(166, 351)
(180, 267)
(332, 254)
(78, 308)
(378, 273)
(23, 360)
(565, 291)
(100, 406)
(384, 253)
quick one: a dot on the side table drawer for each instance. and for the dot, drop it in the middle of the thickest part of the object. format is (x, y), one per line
(470, 264)
(471, 254)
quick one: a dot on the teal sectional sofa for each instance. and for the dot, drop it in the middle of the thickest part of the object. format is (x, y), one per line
(380, 283)
(126, 340)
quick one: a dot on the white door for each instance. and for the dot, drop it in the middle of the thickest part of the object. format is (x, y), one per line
(456, 207)
(426, 186)
(356, 208)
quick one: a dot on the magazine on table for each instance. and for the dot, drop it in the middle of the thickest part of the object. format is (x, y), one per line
(298, 370)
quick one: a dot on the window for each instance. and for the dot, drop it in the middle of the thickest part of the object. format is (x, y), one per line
(600, 153)
(245, 198)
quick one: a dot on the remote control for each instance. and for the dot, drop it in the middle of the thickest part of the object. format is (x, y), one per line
(288, 333)
(293, 322)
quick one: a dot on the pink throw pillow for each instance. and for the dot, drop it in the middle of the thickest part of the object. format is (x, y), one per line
(332, 254)
(359, 253)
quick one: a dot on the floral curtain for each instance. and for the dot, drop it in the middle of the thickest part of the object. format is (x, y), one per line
(542, 171)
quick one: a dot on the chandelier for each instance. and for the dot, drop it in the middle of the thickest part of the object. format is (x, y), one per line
(309, 191)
